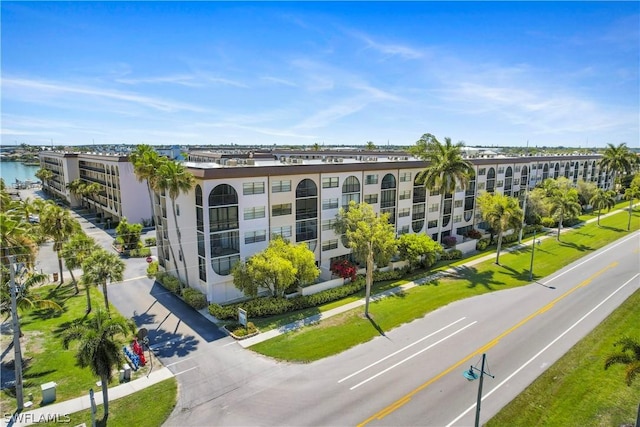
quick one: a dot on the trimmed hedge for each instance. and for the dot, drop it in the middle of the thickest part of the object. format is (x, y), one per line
(169, 282)
(482, 244)
(140, 253)
(194, 298)
(454, 254)
(150, 241)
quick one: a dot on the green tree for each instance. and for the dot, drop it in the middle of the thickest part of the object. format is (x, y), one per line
(57, 223)
(501, 213)
(602, 199)
(16, 239)
(418, 249)
(632, 193)
(103, 267)
(629, 355)
(44, 175)
(280, 267)
(618, 160)
(445, 170)
(100, 347)
(26, 299)
(370, 146)
(76, 187)
(370, 236)
(173, 179)
(75, 252)
(586, 191)
(128, 234)
(564, 205)
(145, 161)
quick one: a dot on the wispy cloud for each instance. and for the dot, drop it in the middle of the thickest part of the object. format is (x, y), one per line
(182, 80)
(279, 81)
(388, 49)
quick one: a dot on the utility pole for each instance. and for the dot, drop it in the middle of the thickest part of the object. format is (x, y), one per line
(17, 351)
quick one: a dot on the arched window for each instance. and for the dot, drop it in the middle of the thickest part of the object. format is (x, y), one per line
(567, 170)
(350, 191)
(545, 171)
(556, 171)
(307, 212)
(508, 181)
(388, 197)
(224, 227)
(419, 199)
(576, 168)
(524, 177)
(491, 180)
(470, 198)
(202, 266)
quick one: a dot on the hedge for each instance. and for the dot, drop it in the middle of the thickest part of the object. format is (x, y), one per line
(194, 298)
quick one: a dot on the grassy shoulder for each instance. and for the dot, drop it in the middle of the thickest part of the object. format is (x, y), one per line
(345, 331)
(46, 360)
(576, 390)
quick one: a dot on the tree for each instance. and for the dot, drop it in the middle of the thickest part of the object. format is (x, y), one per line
(76, 187)
(370, 146)
(632, 193)
(75, 252)
(128, 234)
(103, 267)
(370, 236)
(502, 213)
(44, 175)
(586, 190)
(99, 347)
(628, 355)
(278, 268)
(58, 224)
(445, 170)
(174, 179)
(16, 239)
(145, 161)
(418, 248)
(564, 205)
(602, 199)
(25, 298)
(618, 160)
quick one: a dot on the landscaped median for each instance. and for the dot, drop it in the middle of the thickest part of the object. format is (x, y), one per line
(344, 331)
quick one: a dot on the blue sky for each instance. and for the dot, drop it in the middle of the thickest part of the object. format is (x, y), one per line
(501, 73)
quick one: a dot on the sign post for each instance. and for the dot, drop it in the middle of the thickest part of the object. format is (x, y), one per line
(242, 317)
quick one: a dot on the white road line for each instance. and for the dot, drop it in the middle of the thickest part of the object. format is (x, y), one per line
(543, 350)
(179, 361)
(412, 356)
(402, 349)
(186, 370)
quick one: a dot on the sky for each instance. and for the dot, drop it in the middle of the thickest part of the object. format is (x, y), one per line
(333, 73)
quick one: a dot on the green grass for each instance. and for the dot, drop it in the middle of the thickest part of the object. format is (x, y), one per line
(150, 407)
(45, 358)
(576, 390)
(345, 331)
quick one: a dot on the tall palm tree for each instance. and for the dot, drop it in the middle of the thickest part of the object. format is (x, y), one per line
(602, 199)
(74, 252)
(174, 179)
(564, 205)
(25, 298)
(57, 223)
(629, 355)
(618, 160)
(76, 187)
(102, 267)
(145, 161)
(16, 240)
(100, 347)
(44, 175)
(446, 168)
(631, 194)
(502, 213)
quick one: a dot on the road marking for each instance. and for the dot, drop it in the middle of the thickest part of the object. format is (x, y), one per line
(402, 349)
(130, 279)
(179, 361)
(389, 409)
(543, 350)
(412, 356)
(186, 370)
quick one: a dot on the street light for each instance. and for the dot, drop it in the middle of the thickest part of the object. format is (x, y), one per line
(471, 375)
(534, 242)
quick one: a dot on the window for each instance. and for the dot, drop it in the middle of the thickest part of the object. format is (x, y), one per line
(404, 195)
(403, 230)
(328, 224)
(306, 208)
(254, 212)
(279, 210)
(284, 232)
(432, 224)
(481, 186)
(281, 186)
(501, 169)
(255, 236)
(371, 179)
(482, 171)
(249, 188)
(457, 219)
(223, 218)
(330, 182)
(330, 244)
(404, 212)
(418, 211)
(222, 266)
(500, 184)
(434, 207)
(371, 199)
(516, 181)
(405, 177)
(517, 168)
(351, 185)
(329, 204)
(458, 204)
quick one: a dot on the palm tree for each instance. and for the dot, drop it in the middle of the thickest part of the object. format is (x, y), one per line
(145, 161)
(99, 347)
(564, 205)
(602, 199)
(631, 194)
(100, 268)
(74, 252)
(446, 168)
(76, 187)
(16, 239)
(501, 213)
(629, 355)
(174, 179)
(44, 175)
(25, 299)
(618, 159)
(58, 224)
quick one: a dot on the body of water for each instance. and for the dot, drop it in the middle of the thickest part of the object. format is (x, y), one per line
(10, 171)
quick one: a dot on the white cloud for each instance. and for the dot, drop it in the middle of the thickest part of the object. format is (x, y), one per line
(389, 49)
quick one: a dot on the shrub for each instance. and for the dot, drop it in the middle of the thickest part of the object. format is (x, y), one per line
(398, 273)
(474, 234)
(152, 269)
(239, 331)
(529, 229)
(548, 222)
(140, 253)
(169, 282)
(482, 244)
(194, 298)
(449, 241)
(344, 269)
(510, 238)
(571, 222)
(454, 254)
(150, 241)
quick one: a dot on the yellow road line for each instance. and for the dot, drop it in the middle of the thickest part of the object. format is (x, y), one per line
(406, 398)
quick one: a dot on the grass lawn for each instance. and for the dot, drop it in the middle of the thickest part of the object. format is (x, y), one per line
(44, 357)
(576, 390)
(345, 331)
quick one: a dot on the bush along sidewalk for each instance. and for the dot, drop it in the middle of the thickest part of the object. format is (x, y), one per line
(193, 297)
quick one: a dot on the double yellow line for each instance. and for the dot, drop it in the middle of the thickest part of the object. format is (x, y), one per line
(406, 398)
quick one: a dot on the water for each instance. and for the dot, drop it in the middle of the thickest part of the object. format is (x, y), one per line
(10, 171)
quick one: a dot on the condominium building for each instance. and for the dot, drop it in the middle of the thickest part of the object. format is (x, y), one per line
(121, 195)
(238, 205)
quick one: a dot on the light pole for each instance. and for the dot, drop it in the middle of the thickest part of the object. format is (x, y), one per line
(533, 250)
(471, 375)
